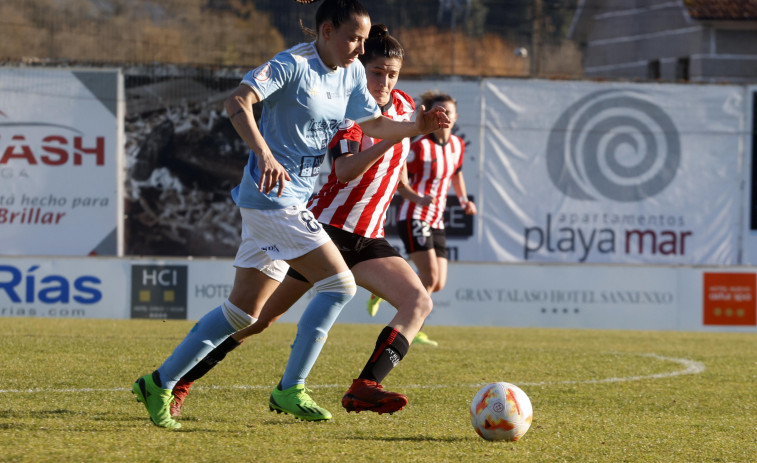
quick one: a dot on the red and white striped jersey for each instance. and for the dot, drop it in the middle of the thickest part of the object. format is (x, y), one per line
(360, 205)
(430, 167)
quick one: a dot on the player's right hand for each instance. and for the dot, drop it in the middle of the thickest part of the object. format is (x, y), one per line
(272, 173)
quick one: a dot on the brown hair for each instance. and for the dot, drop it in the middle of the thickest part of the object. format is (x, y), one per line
(430, 97)
(381, 44)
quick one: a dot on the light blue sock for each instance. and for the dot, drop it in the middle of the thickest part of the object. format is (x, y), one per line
(313, 329)
(210, 331)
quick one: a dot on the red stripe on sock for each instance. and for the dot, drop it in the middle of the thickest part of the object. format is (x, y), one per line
(384, 345)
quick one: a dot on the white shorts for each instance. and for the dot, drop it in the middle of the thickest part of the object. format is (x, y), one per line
(270, 237)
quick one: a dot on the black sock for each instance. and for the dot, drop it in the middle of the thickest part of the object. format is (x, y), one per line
(211, 360)
(391, 347)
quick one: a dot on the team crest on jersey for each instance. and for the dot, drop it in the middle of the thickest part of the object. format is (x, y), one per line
(346, 124)
(262, 72)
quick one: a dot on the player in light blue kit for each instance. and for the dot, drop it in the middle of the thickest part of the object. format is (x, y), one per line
(305, 92)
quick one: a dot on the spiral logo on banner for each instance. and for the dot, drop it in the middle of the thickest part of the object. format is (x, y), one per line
(614, 144)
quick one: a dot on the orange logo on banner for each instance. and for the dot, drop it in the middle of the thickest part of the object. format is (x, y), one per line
(729, 299)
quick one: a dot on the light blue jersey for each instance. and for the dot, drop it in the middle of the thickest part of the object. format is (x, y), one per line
(303, 104)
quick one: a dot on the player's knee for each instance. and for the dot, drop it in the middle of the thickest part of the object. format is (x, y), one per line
(427, 280)
(236, 317)
(341, 285)
(261, 325)
(427, 306)
(422, 305)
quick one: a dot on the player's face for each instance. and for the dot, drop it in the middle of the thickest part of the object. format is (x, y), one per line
(345, 43)
(382, 74)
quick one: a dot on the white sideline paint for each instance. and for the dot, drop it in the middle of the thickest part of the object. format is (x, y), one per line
(691, 367)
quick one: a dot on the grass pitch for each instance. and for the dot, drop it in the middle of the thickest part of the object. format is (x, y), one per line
(605, 396)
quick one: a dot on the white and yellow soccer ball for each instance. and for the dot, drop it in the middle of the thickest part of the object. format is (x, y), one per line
(501, 411)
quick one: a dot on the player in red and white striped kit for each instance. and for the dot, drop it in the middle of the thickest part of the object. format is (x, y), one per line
(435, 162)
(352, 207)
(359, 206)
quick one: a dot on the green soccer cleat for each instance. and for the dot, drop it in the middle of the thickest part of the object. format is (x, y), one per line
(422, 338)
(373, 304)
(157, 401)
(296, 401)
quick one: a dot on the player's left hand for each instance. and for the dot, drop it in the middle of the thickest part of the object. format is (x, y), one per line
(429, 121)
(470, 208)
(424, 201)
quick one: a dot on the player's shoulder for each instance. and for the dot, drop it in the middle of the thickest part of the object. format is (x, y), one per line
(457, 140)
(403, 100)
(347, 130)
(298, 54)
(356, 67)
(402, 106)
(349, 127)
(347, 124)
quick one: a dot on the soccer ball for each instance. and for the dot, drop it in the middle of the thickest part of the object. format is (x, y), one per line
(501, 411)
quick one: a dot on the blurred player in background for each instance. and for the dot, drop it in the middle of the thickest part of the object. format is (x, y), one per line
(306, 92)
(352, 207)
(435, 162)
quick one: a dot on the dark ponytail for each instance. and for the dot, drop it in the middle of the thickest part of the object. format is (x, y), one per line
(381, 45)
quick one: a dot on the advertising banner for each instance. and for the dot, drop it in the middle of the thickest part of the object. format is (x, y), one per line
(64, 288)
(60, 148)
(559, 296)
(611, 173)
(581, 172)
(594, 296)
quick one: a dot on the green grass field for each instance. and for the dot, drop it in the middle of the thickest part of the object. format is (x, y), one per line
(609, 396)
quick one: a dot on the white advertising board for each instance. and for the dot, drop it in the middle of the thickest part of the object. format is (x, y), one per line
(598, 297)
(64, 287)
(598, 172)
(590, 296)
(61, 141)
(612, 173)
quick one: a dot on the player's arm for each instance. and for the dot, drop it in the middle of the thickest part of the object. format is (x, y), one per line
(239, 108)
(407, 192)
(458, 183)
(350, 166)
(425, 122)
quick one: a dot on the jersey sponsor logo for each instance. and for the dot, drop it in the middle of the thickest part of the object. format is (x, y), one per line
(322, 131)
(310, 166)
(262, 73)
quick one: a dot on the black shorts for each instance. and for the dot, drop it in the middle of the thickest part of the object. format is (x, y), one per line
(354, 248)
(419, 236)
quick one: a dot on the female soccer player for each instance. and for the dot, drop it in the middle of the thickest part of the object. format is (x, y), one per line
(435, 162)
(352, 207)
(305, 92)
